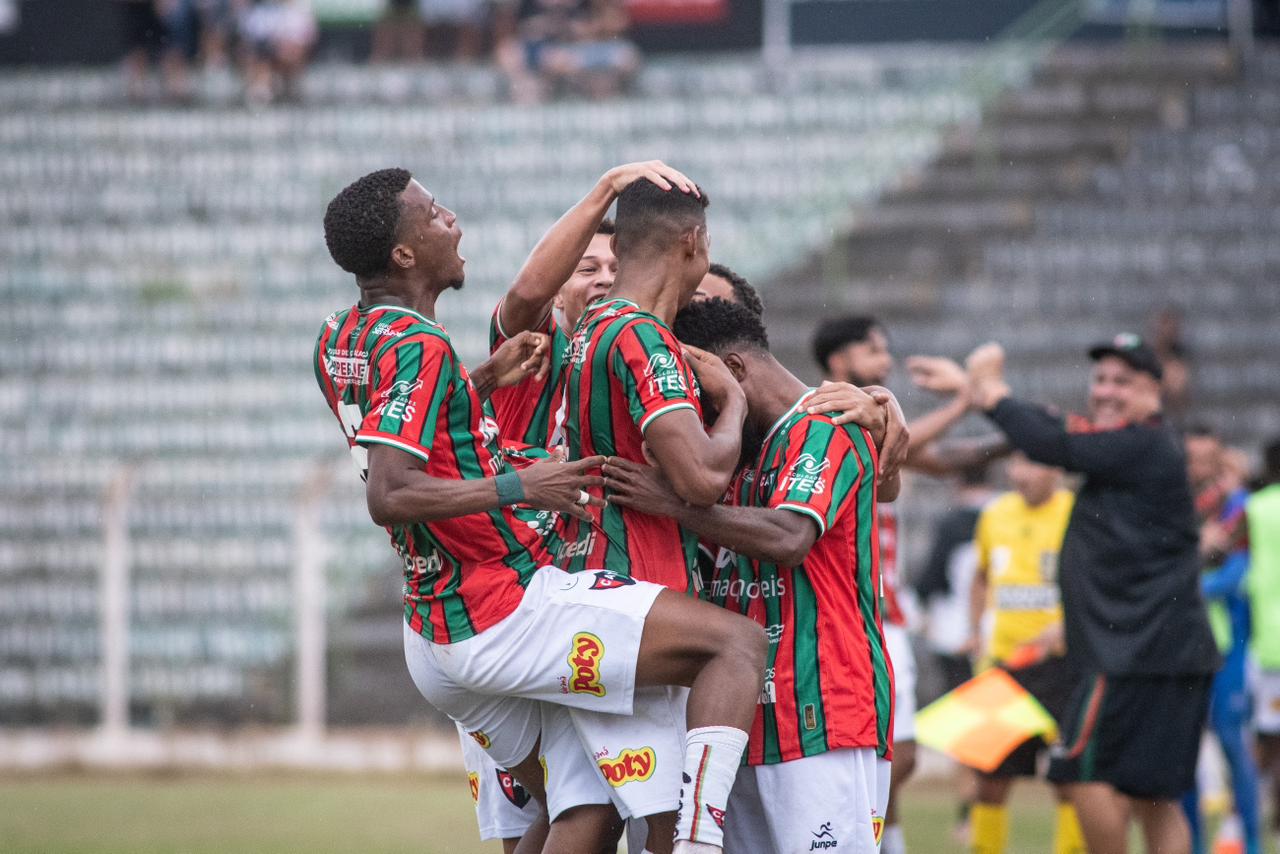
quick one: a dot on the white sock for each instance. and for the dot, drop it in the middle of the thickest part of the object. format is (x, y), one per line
(892, 841)
(711, 758)
(684, 846)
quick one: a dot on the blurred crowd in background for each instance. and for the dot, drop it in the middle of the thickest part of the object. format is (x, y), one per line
(544, 47)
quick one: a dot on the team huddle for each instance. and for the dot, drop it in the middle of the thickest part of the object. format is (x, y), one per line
(641, 571)
(649, 572)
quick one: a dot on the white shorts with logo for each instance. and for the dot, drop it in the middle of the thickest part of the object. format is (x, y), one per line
(834, 801)
(898, 644)
(504, 809)
(1266, 700)
(640, 757)
(573, 641)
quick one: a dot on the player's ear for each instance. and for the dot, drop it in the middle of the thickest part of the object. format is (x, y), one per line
(691, 241)
(736, 365)
(402, 257)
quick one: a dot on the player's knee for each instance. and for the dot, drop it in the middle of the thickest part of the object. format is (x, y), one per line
(748, 644)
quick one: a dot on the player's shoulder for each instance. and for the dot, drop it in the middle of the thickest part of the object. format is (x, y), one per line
(822, 425)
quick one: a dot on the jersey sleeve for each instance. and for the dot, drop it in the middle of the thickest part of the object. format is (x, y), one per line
(408, 388)
(825, 468)
(498, 336)
(654, 375)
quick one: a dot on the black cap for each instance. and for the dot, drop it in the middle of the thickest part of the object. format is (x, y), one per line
(1133, 351)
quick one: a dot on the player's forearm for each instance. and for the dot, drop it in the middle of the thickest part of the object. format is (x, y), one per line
(941, 459)
(777, 536)
(932, 425)
(552, 261)
(485, 379)
(723, 449)
(1032, 430)
(422, 498)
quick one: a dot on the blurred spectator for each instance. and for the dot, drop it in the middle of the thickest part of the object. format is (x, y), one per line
(573, 44)
(462, 20)
(399, 34)
(278, 37)
(1263, 514)
(157, 29)
(216, 20)
(1171, 349)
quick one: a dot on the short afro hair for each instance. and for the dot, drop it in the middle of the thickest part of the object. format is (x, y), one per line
(361, 222)
(839, 333)
(649, 216)
(716, 325)
(745, 295)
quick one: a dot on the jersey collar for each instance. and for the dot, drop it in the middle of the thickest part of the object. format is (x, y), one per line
(786, 416)
(398, 308)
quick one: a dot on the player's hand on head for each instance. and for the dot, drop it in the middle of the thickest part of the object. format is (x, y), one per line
(640, 487)
(521, 356)
(655, 171)
(938, 374)
(714, 376)
(897, 437)
(553, 484)
(848, 404)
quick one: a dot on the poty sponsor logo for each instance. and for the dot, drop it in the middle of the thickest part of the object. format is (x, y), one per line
(585, 657)
(823, 838)
(877, 825)
(473, 780)
(629, 766)
(806, 475)
(480, 738)
(347, 367)
(738, 589)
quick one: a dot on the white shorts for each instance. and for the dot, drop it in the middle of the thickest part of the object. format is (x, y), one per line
(640, 757)
(1266, 700)
(573, 641)
(504, 809)
(833, 801)
(898, 644)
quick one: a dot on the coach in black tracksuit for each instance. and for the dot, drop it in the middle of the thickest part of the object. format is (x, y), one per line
(1136, 628)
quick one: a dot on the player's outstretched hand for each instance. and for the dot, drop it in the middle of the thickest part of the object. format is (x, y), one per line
(553, 484)
(620, 177)
(640, 487)
(939, 374)
(713, 375)
(874, 408)
(986, 363)
(528, 353)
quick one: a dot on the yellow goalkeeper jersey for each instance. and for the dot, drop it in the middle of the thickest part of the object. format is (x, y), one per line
(1018, 548)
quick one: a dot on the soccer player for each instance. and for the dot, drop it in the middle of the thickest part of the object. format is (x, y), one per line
(1263, 514)
(723, 283)
(491, 628)
(1137, 634)
(800, 521)
(1015, 597)
(856, 350)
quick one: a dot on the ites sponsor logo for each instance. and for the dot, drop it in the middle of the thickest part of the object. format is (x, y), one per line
(629, 766)
(584, 657)
(607, 579)
(805, 475)
(473, 780)
(347, 367)
(397, 401)
(480, 738)
(512, 789)
(736, 588)
(717, 815)
(877, 825)
(664, 375)
(823, 838)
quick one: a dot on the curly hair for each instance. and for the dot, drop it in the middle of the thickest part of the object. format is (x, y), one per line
(360, 223)
(651, 216)
(746, 295)
(840, 332)
(717, 325)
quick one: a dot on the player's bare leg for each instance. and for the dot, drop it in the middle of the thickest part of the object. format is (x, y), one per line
(586, 829)
(1164, 825)
(1104, 817)
(904, 765)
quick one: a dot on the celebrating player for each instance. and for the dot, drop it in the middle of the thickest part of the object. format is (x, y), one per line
(800, 521)
(490, 629)
(1018, 538)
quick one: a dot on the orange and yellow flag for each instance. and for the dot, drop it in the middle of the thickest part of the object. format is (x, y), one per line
(981, 722)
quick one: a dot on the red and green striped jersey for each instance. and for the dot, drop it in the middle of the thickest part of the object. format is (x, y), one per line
(829, 682)
(626, 369)
(391, 377)
(525, 410)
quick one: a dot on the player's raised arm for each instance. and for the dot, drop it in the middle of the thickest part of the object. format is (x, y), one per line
(560, 250)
